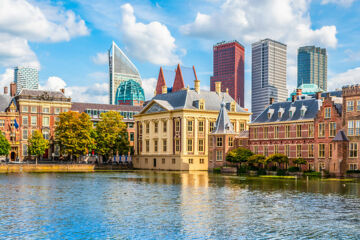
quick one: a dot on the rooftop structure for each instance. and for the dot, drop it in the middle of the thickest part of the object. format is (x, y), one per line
(129, 93)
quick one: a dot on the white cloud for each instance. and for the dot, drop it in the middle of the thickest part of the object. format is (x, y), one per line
(150, 42)
(21, 22)
(349, 77)
(100, 58)
(6, 78)
(53, 83)
(344, 3)
(149, 85)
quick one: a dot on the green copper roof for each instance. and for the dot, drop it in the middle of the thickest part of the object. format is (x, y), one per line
(308, 88)
(129, 90)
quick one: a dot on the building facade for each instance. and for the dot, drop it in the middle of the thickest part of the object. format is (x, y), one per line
(312, 66)
(173, 128)
(120, 69)
(26, 78)
(228, 68)
(268, 75)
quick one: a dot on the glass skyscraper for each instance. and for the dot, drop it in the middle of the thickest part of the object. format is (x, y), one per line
(26, 78)
(312, 66)
(120, 69)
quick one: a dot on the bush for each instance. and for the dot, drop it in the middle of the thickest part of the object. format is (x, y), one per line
(262, 172)
(242, 170)
(280, 172)
(294, 169)
(353, 171)
(217, 170)
(273, 168)
(312, 174)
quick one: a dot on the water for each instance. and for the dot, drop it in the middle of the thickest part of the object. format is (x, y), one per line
(170, 205)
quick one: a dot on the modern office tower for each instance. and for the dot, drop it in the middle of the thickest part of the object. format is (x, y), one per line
(229, 59)
(120, 69)
(312, 66)
(26, 78)
(268, 75)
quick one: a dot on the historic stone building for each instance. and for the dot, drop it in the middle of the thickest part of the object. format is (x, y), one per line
(172, 130)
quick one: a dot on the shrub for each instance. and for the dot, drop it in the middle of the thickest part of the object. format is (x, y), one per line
(353, 171)
(280, 172)
(273, 168)
(262, 172)
(312, 174)
(217, 170)
(242, 170)
(239, 155)
(294, 169)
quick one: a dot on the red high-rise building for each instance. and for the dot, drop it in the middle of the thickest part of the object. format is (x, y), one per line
(229, 59)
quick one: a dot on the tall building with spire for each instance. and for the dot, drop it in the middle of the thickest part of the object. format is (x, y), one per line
(121, 69)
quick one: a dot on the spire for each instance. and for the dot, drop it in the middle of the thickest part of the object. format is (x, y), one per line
(179, 81)
(160, 82)
(223, 124)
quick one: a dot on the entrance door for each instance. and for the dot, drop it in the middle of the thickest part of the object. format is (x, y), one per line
(154, 162)
(12, 156)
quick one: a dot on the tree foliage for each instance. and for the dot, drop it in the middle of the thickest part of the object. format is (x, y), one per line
(74, 132)
(4, 145)
(257, 159)
(277, 158)
(111, 134)
(37, 145)
(300, 161)
(238, 155)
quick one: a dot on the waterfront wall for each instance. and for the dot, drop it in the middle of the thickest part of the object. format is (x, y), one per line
(19, 168)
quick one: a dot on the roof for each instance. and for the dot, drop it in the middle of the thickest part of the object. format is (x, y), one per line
(43, 94)
(310, 106)
(81, 107)
(188, 99)
(129, 90)
(4, 102)
(340, 136)
(122, 63)
(223, 124)
(338, 107)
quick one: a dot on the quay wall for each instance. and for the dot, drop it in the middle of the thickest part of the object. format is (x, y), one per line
(19, 168)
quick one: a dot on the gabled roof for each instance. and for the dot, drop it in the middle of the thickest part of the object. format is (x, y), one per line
(312, 107)
(179, 80)
(160, 82)
(223, 124)
(340, 136)
(4, 102)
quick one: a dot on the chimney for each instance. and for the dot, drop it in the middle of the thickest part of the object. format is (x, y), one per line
(328, 95)
(197, 85)
(298, 92)
(164, 90)
(227, 90)
(62, 90)
(218, 87)
(272, 100)
(5, 90)
(12, 89)
(318, 95)
(293, 98)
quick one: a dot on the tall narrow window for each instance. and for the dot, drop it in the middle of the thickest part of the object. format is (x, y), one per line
(349, 106)
(276, 149)
(201, 126)
(156, 126)
(311, 130)
(298, 150)
(353, 150)
(351, 128)
(357, 127)
(330, 150)
(147, 128)
(328, 112)
(276, 131)
(321, 150)
(190, 145)
(190, 126)
(164, 126)
(177, 126)
(321, 129)
(266, 132)
(155, 145)
(147, 145)
(311, 150)
(201, 145)
(219, 141)
(164, 145)
(298, 130)
(177, 145)
(266, 150)
(231, 141)
(211, 126)
(287, 150)
(219, 155)
(287, 131)
(332, 129)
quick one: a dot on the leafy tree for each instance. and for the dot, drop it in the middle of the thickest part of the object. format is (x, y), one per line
(257, 159)
(277, 158)
(74, 132)
(111, 135)
(299, 161)
(37, 145)
(239, 155)
(4, 145)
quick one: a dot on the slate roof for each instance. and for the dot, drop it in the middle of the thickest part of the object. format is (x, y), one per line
(311, 107)
(35, 93)
(340, 136)
(338, 107)
(223, 124)
(81, 107)
(186, 99)
(4, 102)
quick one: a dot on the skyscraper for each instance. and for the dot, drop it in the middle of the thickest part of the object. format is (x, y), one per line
(26, 78)
(312, 66)
(268, 74)
(120, 69)
(229, 69)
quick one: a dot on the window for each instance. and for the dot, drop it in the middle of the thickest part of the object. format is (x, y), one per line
(353, 150)
(311, 150)
(46, 134)
(256, 150)
(130, 125)
(242, 127)
(353, 166)
(57, 119)
(147, 145)
(255, 133)
(65, 110)
(266, 150)
(177, 145)
(140, 129)
(33, 110)
(321, 129)
(177, 126)
(201, 126)
(332, 129)
(201, 145)
(25, 109)
(358, 105)
(298, 131)
(33, 120)
(287, 150)
(2, 122)
(351, 128)
(276, 148)
(146, 161)
(25, 149)
(276, 131)
(219, 155)
(57, 110)
(156, 126)
(357, 128)
(190, 145)
(219, 141)
(311, 130)
(25, 134)
(202, 161)
(202, 105)
(163, 161)
(190, 126)
(290, 114)
(211, 126)
(165, 126)
(266, 132)
(131, 136)
(147, 127)
(164, 145)
(279, 114)
(330, 150)
(321, 150)
(231, 141)
(191, 161)
(46, 110)
(327, 112)
(349, 106)
(287, 131)
(155, 145)
(25, 120)
(173, 161)
(298, 150)
(46, 121)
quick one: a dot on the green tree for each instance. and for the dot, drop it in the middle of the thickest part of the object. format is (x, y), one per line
(257, 159)
(299, 161)
(4, 145)
(238, 155)
(37, 145)
(111, 135)
(75, 133)
(278, 158)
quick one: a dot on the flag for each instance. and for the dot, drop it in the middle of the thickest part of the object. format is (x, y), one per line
(16, 125)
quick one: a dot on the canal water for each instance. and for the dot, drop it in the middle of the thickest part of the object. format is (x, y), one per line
(174, 205)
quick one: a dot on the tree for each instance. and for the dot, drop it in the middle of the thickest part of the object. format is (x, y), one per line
(277, 158)
(4, 145)
(239, 155)
(37, 145)
(74, 132)
(299, 161)
(257, 159)
(111, 135)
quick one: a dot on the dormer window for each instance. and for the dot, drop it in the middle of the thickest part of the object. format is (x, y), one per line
(201, 104)
(280, 112)
(270, 113)
(291, 112)
(233, 107)
(303, 111)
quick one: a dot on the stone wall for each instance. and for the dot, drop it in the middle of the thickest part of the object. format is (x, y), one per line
(19, 168)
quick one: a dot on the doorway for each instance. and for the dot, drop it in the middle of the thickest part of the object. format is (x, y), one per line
(154, 162)
(12, 156)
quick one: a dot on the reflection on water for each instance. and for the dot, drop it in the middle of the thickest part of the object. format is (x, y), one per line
(175, 205)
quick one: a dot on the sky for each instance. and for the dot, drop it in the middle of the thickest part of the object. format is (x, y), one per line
(68, 40)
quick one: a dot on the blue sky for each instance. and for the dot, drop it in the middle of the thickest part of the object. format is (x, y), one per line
(68, 40)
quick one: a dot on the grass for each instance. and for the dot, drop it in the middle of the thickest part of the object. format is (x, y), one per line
(275, 176)
(339, 179)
